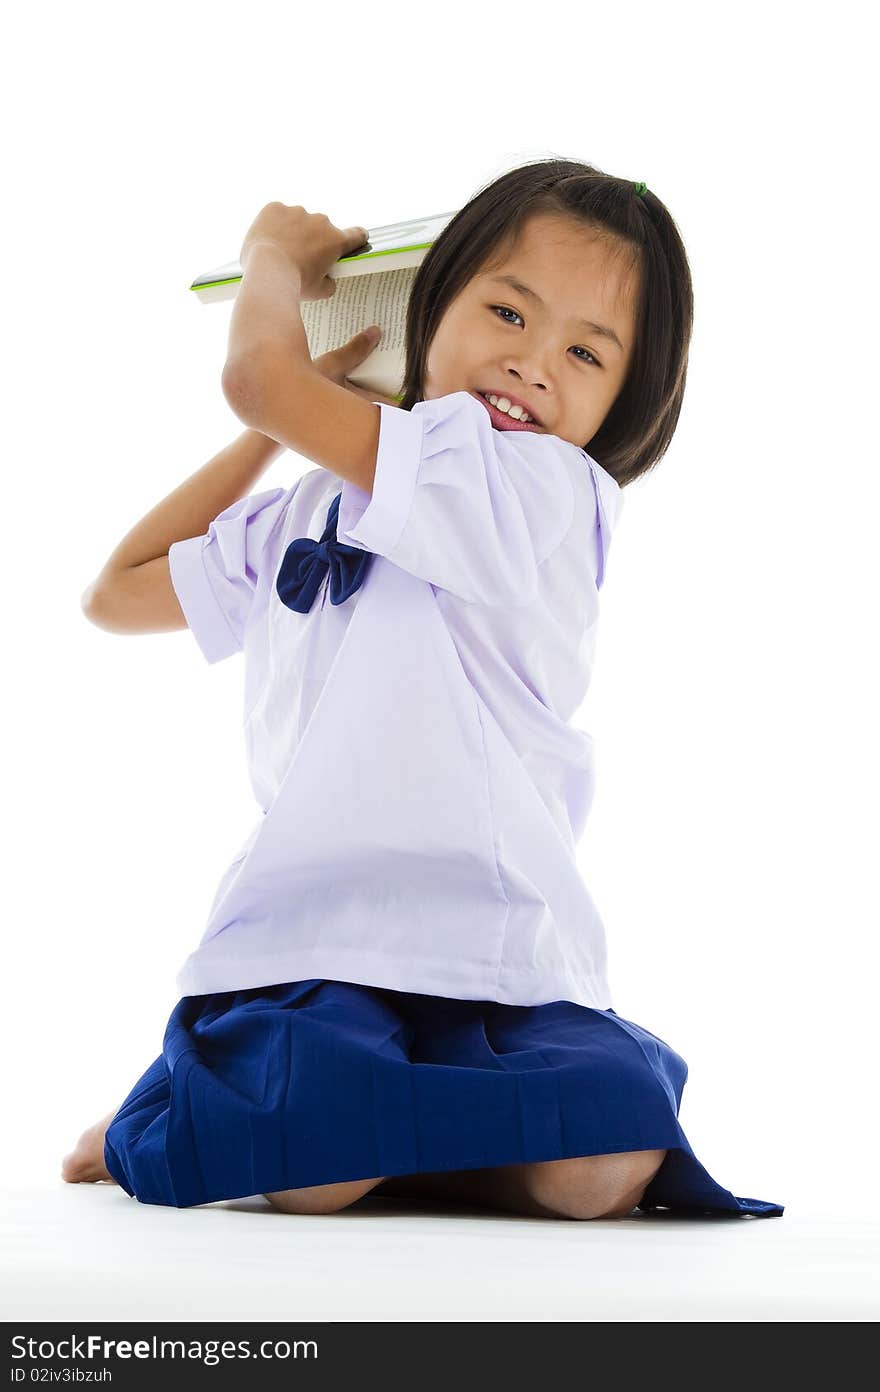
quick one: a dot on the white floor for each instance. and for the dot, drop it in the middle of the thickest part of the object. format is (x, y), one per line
(88, 1251)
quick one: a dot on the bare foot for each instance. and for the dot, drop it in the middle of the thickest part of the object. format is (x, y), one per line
(85, 1164)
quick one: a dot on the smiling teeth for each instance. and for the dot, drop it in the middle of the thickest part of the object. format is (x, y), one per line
(502, 404)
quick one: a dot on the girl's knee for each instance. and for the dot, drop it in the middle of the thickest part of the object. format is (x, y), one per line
(594, 1186)
(321, 1198)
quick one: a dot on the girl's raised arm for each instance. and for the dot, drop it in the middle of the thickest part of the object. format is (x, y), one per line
(133, 592)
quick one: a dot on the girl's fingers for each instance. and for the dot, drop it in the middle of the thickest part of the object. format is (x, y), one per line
(356, 236)
(337, 361)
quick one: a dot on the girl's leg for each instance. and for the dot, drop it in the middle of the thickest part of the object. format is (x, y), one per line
(85, 1163)
(321, 1198)
(588, 1186)
(593, 1186)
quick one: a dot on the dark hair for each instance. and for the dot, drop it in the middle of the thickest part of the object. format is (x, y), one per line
(640, 424)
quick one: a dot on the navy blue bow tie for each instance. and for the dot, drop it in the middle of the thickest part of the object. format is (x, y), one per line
(307, 562)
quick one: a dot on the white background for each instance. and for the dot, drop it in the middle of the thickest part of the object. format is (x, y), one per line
(732, 843)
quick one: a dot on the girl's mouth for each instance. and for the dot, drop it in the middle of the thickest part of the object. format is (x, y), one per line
(500, 419)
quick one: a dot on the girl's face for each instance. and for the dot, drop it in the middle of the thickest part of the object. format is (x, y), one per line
(562, 351)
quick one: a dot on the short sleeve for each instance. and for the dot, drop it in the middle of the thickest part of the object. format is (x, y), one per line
(470, 509)
(609, 505)
(215, 575)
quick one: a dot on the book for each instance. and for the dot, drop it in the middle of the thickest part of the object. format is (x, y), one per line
(374, 287)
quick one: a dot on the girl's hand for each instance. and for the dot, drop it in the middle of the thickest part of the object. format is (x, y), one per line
(309, 241)
(340, 361)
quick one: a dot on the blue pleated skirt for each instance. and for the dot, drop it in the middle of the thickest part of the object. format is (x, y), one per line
(316, 1082)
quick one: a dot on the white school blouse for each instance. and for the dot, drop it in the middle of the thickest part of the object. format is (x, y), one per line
(421, 787)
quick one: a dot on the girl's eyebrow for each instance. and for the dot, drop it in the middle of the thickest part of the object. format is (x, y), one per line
(515, 284)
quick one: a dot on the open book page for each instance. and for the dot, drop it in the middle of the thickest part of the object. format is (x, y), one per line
(357, 301)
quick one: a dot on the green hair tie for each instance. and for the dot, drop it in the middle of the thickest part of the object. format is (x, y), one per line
(640, 188)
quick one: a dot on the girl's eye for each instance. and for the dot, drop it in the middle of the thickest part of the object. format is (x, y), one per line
(503, 309)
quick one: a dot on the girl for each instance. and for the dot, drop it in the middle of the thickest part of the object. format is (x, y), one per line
(401, 987)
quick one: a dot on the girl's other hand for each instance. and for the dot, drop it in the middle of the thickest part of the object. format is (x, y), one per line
(309, 241)
(336, 365)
